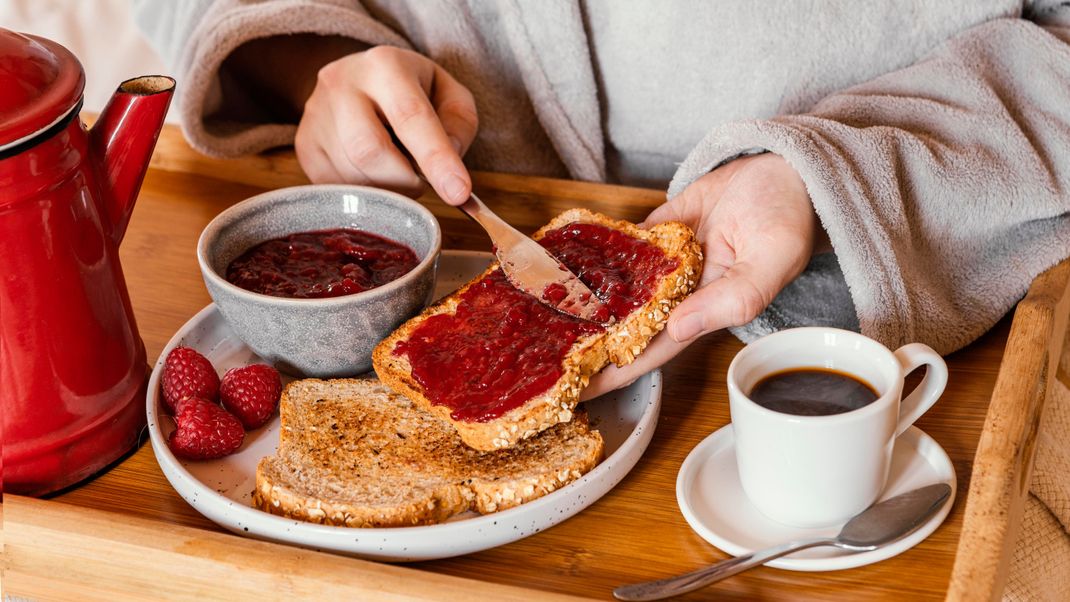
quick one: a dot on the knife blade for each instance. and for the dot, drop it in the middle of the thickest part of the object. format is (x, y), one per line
(531, 268)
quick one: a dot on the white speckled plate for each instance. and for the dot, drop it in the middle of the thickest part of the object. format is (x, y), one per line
(221, 489)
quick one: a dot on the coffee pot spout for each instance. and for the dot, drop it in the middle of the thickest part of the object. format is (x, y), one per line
(121, 143)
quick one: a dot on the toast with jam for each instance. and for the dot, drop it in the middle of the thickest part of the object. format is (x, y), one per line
(501, 367)
(354, 453)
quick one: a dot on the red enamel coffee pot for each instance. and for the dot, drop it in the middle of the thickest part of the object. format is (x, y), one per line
(72, 365)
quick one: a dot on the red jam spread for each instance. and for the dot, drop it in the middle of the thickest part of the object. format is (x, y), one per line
(324, 263)
(502, 347)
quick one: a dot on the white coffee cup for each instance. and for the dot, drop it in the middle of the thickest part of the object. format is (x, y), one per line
(818, 471)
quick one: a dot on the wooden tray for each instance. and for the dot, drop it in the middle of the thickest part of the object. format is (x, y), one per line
(127, 535)
(1003, 464)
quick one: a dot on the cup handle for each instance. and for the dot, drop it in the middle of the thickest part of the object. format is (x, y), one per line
(931, 388)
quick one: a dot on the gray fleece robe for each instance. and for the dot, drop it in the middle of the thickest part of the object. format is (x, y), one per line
(933, 136)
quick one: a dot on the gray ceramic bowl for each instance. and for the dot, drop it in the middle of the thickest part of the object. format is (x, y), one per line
(319, 337)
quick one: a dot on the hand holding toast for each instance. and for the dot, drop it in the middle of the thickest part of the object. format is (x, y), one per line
(758, 230)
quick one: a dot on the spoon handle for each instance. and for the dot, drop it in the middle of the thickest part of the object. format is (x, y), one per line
(689, 582)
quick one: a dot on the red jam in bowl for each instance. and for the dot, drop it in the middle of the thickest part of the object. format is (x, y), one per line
(323, 263)
(502, 347)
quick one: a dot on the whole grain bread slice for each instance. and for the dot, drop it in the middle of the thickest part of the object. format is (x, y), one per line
(354, 453)
(620, 343)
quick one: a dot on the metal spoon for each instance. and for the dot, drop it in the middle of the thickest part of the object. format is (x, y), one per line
(878, 525)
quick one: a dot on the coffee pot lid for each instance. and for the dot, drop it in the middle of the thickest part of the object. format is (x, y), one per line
(41, 82)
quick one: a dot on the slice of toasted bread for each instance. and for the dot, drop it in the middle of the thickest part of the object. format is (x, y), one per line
(354, 453)
(620, 343)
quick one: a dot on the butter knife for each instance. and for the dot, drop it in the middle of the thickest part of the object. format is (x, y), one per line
(531, 268)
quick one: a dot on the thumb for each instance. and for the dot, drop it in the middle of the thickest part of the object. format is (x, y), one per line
(734, 299)
(668, 212)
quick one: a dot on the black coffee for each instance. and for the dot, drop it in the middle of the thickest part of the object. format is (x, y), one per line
(812, 392)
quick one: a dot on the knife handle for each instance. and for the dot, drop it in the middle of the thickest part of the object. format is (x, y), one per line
(495, 226)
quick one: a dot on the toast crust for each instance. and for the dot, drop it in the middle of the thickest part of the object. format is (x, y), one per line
(454, 479)
(620, 343)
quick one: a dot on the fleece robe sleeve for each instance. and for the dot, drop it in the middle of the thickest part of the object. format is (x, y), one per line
(944, 187)
(194, 37)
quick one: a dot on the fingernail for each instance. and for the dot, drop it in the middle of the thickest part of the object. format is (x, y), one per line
(687, 327)
(454, 188)
(456, 144)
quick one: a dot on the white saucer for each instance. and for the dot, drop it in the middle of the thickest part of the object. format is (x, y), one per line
(714, 504)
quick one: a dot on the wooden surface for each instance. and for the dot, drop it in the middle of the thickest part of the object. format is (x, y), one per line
(1004, 460)
(636, 532)
(100, 558)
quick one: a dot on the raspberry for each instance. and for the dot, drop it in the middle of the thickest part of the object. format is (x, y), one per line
(251, 393)
(204, 431)
(187, 373)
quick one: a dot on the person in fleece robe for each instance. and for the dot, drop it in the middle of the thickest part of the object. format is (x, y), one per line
(902, 168)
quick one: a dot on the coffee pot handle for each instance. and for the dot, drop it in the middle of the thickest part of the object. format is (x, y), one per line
(912, 356)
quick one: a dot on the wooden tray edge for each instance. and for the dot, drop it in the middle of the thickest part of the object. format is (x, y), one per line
(53, 550)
